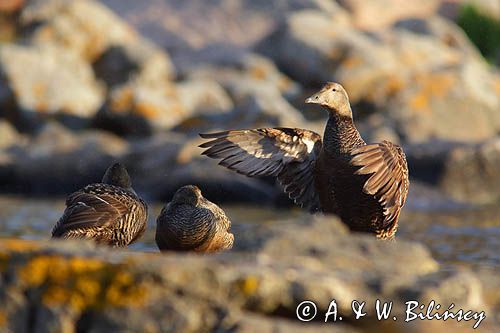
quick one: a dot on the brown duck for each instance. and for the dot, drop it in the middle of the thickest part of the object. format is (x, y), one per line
(109, 212)
(365, 184)
(192, 223)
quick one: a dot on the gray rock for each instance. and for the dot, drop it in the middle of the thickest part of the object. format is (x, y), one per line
(47, 80)
(472, 173)
(424, 82)
(71, 285)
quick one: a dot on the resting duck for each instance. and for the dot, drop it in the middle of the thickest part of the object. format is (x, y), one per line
(192, 223)
(109, 212)
(364, 184)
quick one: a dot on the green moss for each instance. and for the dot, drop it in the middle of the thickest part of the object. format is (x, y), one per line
(483, 31)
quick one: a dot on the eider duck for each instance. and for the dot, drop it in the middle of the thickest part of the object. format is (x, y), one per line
(364, 184)
(192, 223)
(109, 212)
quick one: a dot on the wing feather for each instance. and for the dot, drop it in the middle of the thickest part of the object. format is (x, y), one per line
(288, 153)
(389, 181)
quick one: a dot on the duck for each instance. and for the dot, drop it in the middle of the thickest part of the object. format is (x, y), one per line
(366, 185)
(109, 213)
(189, 222)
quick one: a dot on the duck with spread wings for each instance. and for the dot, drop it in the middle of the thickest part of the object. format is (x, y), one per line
(364, 184)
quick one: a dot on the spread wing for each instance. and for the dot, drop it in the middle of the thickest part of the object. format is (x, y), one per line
(389, 181)
(288, 153)
(88, 210)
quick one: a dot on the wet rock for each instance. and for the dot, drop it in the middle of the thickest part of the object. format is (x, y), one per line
(414, 78)
(47, 80)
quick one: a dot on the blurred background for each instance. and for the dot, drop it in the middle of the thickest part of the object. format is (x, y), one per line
(84, 83)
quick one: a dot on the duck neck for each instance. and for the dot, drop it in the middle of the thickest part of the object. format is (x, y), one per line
(341, 135)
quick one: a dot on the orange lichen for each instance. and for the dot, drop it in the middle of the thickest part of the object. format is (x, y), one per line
(435, 85)
(122, 100)
(147, 110)
(3, 318)
(351, 62)
(18, 245)
(419, 101)
(81, 282)
(258, 73)
(248, 285)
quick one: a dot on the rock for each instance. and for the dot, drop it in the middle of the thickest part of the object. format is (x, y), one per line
(77, 286)
(10, 136)
(141, 106)
(67, 24)
(415, 77)
(363, 14)
(472, 174)
(56, 161)
(47, 80)
(467, 173)
(161, 165)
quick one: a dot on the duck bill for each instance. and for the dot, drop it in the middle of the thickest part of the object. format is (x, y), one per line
(314, 99)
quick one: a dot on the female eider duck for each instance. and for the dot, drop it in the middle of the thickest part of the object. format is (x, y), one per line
(109, 212)
(192, 223)
(365, 184)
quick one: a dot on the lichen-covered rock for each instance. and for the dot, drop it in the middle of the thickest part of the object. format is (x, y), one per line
(46, 80)
(84, 26)
(425, 78)
(72, 286)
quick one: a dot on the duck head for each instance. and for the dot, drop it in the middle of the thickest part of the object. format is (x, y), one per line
(333, 97)
(117, 175)
(189, 194)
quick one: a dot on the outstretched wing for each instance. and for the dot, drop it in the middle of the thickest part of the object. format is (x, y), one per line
(89, 210)
(386, 162)
(288, 153)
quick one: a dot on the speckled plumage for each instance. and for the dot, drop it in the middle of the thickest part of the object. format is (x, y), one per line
(109, 213)
(192, 223)
(366, 185)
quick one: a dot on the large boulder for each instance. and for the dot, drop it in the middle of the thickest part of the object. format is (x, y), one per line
(423, 75)
(45, 80)
(67, 286)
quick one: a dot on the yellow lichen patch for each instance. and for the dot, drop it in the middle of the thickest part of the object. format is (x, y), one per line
(497, 86)
(123, 290)
(248, 285)
(351, 62)
(81, 282)
(419, 102)
(18, 245)
(258, 73)
(121, 101)
(147, 110)
(3, 318)
(393, 85)
(436, 85)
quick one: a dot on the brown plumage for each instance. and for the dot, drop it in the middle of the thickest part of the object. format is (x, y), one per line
(192, 223)
(109, 213)
(366, 185)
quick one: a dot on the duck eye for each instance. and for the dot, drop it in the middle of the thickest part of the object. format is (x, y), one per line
(334, 89)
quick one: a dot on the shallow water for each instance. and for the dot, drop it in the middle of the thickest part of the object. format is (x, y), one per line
(459, 236)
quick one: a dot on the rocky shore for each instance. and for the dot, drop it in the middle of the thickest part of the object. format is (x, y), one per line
(85, 83)
(77, 94)
(63, 286)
